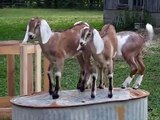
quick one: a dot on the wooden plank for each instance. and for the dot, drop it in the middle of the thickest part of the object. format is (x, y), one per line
(46, 81)
(23, 71)
(5, 102)
(30, 74)
(15, 49)
(11, 75)
(37, 68)
(6, 113)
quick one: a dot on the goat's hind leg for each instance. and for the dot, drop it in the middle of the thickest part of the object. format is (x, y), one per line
(140, 72)
(101, 81)
(133, 67)
(50, 78)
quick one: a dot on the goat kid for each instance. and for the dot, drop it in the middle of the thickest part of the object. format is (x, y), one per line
(56, 46)
(130, 45)
(103, 51)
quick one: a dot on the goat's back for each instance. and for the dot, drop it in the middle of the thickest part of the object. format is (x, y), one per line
(129, 42)
(108, 34)
(65, 43)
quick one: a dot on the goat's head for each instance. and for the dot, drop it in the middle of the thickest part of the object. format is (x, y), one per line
(86, 35)
(36, 27)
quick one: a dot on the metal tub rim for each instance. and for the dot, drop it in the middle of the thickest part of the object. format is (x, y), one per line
(134, 95)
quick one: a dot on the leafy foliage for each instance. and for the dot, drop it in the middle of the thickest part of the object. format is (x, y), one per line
(97, 4)
(127, 19)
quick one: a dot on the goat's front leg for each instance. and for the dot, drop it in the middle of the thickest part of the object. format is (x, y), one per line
(110, 78)
(50, 78)
(81, 63)
(94, 76)
(58, 75)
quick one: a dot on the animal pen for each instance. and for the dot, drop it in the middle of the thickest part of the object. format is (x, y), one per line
(33, 104)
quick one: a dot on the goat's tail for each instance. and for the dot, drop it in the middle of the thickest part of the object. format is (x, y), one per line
(150, 33)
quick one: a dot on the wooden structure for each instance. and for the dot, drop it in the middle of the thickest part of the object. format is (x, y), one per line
(126, 104)
(114, 8)
(29, 77)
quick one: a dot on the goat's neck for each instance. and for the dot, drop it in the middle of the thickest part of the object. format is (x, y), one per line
(91, 46)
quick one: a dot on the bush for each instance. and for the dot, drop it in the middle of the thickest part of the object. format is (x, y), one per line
(127, 19)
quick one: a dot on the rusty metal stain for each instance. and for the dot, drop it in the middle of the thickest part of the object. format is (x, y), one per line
(121, 112)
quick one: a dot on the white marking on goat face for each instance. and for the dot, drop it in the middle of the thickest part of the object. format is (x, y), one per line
(84, 37)
(31, 35)
(121, 41)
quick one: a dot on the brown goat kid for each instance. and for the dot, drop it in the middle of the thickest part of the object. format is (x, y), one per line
(130, 45)
(56, 46)
(103, 51)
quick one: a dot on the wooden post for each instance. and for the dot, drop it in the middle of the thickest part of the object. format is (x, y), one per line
(37, 68)
(30, 74)
(11, 75)
(23, 70)
(46, 81)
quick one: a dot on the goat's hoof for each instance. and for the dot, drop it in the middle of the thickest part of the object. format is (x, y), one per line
(136, 86)
(92, 96)
(110, 95)
(78, 87)
(82, 89)
(123, 87)
(101, 86)
(50, 92)
(55, 96)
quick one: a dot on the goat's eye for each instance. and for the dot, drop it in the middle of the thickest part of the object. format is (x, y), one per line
(88, 35)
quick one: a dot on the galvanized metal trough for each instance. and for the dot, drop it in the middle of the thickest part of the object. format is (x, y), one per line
(127, 104)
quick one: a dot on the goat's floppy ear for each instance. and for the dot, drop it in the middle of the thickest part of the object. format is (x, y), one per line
(26, 35)
(45, 31)
(98, 42)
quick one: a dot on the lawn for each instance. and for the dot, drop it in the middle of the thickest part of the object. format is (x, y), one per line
(13, 25)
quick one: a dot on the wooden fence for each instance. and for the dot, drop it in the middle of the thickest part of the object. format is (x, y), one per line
(30, 72)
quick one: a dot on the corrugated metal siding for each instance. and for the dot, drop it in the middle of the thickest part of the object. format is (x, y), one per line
(127, 110)
(150, 5)
(110, 4)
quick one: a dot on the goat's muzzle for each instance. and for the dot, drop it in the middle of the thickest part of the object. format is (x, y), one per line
(31, 37)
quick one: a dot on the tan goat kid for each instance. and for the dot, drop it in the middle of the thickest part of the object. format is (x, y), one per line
(130, 45)
(103, 51)
(56, 46)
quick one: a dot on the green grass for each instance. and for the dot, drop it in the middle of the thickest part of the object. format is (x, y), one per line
(14, 21)
(13, 25)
